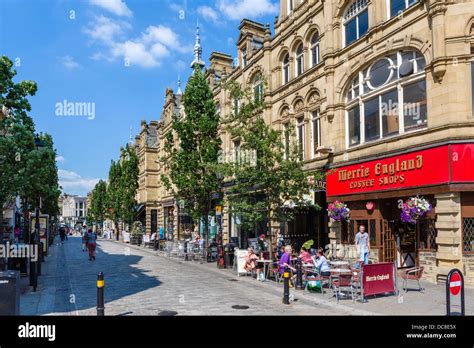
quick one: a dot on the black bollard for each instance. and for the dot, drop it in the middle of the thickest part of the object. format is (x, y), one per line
(299, 275)
(286, 286)
(100, 295)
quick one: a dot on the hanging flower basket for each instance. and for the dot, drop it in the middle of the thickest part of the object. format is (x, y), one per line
(338, 211)
(414, 208)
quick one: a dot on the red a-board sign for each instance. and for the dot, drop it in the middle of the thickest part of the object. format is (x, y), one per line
(455, 283)
(378, 278)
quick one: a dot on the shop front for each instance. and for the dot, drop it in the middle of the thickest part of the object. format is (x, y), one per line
(308, 222)
(375, 191)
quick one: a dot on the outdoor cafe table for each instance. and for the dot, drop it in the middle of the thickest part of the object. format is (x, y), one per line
(266, 267)
(338, 271)
(340, 264)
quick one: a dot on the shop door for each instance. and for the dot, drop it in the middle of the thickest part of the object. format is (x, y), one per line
(389, 246)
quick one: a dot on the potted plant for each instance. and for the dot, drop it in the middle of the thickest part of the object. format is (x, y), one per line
(136, 236)
(415, 208)
(338, 211)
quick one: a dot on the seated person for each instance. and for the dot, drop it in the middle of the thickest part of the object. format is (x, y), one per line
(251, 263)
(305, 256)
(322, 264)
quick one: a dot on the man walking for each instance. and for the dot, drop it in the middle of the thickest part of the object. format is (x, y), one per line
(91, 244)
(363, 244)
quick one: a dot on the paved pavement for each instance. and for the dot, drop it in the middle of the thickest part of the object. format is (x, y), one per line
(141, 282)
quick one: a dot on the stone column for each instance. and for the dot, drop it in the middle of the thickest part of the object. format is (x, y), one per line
(449, 239)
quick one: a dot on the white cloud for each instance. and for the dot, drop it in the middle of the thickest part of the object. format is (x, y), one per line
(147, 50)
(104, 29)
(239, 9)
(68, 62)
(117, 7)
(60, 159)
(208, 13)
(74, 183)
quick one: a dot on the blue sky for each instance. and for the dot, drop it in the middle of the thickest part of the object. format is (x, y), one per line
(118, 56)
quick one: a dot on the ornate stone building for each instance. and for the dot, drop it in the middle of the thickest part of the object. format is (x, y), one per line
(380, 95)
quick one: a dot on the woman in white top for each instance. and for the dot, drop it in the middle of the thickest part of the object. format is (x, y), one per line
(322, 264)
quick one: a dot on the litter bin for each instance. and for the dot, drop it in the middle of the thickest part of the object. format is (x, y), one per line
(229, 255)
(10, 293)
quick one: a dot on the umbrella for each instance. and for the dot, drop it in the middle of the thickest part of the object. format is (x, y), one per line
(308, 244)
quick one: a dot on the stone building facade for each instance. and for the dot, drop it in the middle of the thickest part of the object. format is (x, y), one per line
(369, 87)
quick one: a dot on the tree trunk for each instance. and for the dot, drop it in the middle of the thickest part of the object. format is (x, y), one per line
(206, 229)
(269, 228)
(116, 231)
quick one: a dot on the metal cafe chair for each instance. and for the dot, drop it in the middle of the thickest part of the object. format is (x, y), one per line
(412, 274)
(341, 282)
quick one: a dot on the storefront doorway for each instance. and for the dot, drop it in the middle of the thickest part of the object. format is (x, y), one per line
(394, 240)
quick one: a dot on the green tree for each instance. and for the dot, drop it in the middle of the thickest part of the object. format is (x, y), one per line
(192, 152)
(114, 205)
(16, 132)
(129, 184)
(268, 173)
(98, 208)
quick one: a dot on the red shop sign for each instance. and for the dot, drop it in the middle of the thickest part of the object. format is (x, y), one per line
(420, 168)
(378, 278)
(462, 163)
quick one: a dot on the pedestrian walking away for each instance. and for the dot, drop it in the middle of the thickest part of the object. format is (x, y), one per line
(84, 241)
(62, 234)
(91, 244)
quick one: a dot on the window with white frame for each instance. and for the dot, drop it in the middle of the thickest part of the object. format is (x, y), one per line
(315, 49)
(236, 153)
(291, 6)
(286, 69)
(387, 98)
(258, 88)
(315, 132)
(300, 136)
(398, 6)
(355, 21)
(236, 106)
(244, 57)
(299, 60)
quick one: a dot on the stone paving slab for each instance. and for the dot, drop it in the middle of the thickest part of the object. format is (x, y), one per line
(139, 281)
(430, 302)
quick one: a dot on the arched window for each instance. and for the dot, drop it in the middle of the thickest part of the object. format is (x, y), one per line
(315, 49)
(286, 69)
(355, 21)
(387, 98)
(258, 88)
(299, 60)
